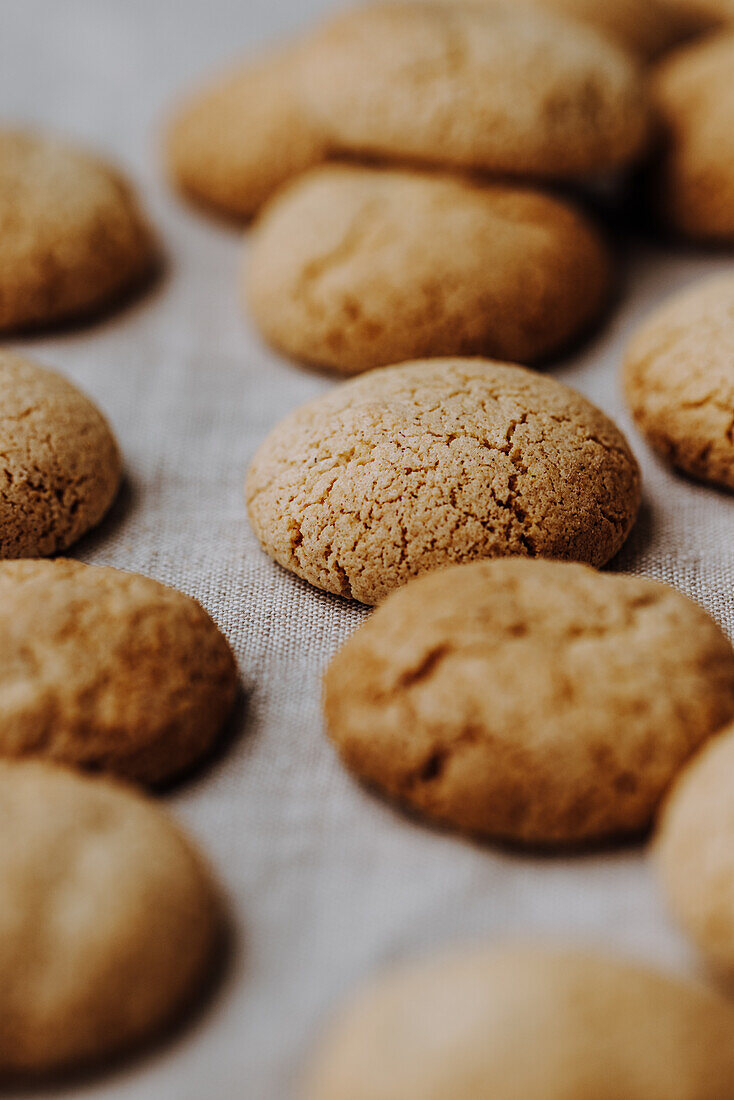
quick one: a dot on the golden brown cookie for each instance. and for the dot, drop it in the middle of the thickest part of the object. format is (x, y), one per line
(108, 670)
(536, 702)
(108, 919)
(414, 467)
(679, 380)
(60, 466)
(525, 1022)
(695, 852)
(489, 86)
(72, 238)
(236, 140)
(693, 184)
(354, 268)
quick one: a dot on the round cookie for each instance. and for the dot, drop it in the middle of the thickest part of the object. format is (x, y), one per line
(117, 673)
(411, 468)
(695, 852)
(534, 702)
(60, 467)
(354, 268)
(108, 919)
(693, 183)
(234, 142)
(72, 238)
(529, 1022)
(489, 86)
(679, 380)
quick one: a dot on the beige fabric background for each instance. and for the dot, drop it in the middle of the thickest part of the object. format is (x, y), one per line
(324, 882)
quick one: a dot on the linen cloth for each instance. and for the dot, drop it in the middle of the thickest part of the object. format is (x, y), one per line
(324, 882)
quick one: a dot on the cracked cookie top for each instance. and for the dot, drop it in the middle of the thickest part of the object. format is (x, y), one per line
(679, 380)
(535, 702)
(108, 919)
(413, 467)
(72, 237)
(354, 267)
(108, 670)
(60, 466)
(493, 86)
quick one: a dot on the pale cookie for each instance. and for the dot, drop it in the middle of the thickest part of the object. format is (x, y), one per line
(354, 268)
(72, 238)
(108, 919)
(488, 86)
(646, 27)
(536, 702)
(108, 670)
(694, 182)
(234, 142)
(414, 467)
(679, 380)
(695, 852)
(525, 1022)
(60, 466)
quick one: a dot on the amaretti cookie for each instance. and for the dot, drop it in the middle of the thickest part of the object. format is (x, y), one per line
(235, 141)
(530, 1022)
(73, 238)
(695, 852)
(61, 466)
(353, 268)
(534, 702)
(418, 466)
(646, 27)
(491, 86)
(693, 184)
(108, 670)
(679, 380)
(108, 919)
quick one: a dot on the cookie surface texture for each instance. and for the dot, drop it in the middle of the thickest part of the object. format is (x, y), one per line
(108, 919)
(527, 1022)
(695, 847)
(60, 467)
(679, 380)
(487, 86)
(119, 673)
(72, 238)
(353, 268)
(411, 468)
(238, 139)
(534, 702)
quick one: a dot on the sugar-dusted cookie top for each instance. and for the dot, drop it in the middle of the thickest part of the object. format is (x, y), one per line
(72, 238)
(353, 268)
(535, 702)
(60, 465)
(414, 467)
(108, 919)
(490, 86)
(108, 670)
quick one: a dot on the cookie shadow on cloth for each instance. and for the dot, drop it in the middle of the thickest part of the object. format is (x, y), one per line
(640, 539)
(184, 1027)
(108, 529)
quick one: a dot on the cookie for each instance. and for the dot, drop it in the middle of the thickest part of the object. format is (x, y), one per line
(645, 27)
(60, 468)
(354, 268)
(108, 919)
(530, 1022)
(491, 86)
(411, 468)
(238, 139)
(679, 380)
(693, 183)
(534, 702)
(695, 853)
(72, 238)
(118, 673)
